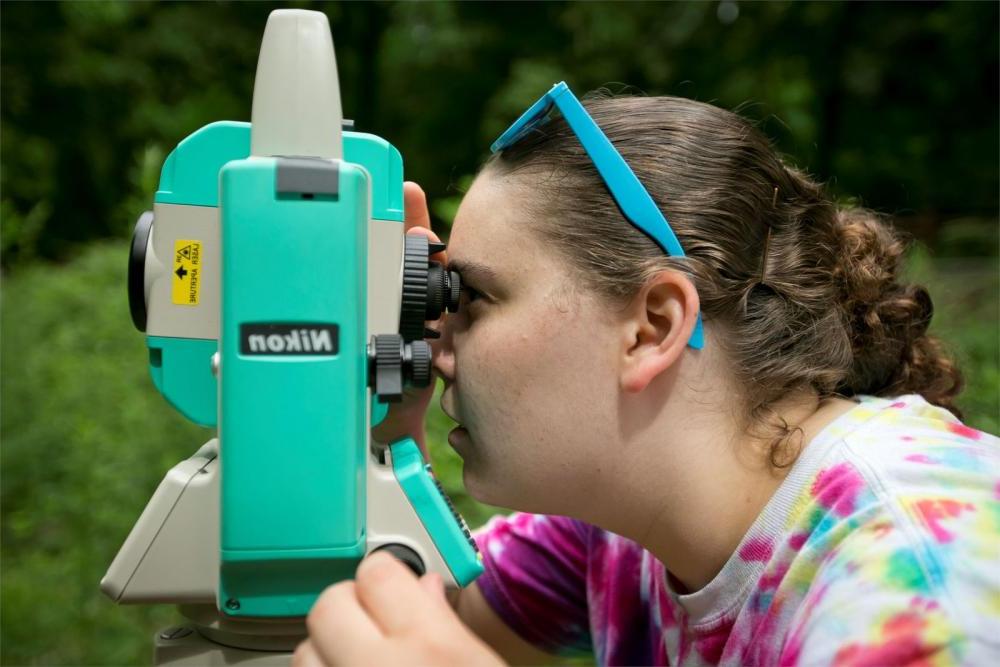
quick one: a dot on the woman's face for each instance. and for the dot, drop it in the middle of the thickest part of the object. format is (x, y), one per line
(529, 361)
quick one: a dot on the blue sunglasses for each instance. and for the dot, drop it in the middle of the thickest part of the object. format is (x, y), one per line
(632, 198)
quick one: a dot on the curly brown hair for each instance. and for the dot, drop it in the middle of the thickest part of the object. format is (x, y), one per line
(831, 313)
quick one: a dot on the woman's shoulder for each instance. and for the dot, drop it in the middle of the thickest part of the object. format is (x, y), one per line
(901, 518)
(905, 445)
(919, 537)
(903, 459)
(917, 467)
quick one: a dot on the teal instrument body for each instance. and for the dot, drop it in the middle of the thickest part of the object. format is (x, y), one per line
(294, 377)
(283, 305)
(190, 177)
(183, 377)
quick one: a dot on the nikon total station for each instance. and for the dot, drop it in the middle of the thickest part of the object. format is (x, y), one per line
(283, 304)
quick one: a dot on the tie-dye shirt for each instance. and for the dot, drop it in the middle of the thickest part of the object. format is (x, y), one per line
(881, 547)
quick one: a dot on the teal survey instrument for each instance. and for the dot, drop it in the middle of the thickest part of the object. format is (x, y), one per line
(283, 304)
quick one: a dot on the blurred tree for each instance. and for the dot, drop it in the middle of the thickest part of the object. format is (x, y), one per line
(895, 103)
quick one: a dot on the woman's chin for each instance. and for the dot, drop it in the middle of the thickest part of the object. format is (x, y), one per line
(476, 478)
(475, 486)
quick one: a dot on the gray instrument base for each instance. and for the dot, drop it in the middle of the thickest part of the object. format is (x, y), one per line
(183, 646)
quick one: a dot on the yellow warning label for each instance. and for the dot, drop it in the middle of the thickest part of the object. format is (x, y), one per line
(187, 272)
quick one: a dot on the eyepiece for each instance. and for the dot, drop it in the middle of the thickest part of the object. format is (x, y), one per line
(429, 290)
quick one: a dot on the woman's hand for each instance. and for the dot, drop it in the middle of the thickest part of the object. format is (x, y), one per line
(386, 616)
(407, 417)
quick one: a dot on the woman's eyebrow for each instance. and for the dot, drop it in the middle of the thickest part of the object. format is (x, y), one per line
(474, 271)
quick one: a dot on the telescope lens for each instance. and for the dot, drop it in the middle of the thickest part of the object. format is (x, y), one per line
(137, 270)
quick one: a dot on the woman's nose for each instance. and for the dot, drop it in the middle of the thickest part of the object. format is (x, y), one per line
(444, 352)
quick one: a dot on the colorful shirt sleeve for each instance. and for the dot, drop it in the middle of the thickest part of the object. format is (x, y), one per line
(535, 579)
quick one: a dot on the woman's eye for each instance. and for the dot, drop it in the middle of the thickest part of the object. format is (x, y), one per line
(470, 294)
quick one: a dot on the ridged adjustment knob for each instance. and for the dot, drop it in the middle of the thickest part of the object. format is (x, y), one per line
(393, 364)
(385, 367)
(419, 363)
(428, 288)
(455, 291)
(407, 556)
(444, 288)
(414, 303)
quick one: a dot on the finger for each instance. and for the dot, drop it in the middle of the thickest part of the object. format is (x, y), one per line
(415, 206)
(417, 217)
(392, 595)
(305, 656)
(339, 628)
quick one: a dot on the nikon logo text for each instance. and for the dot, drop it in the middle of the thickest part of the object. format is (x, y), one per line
(289, 339)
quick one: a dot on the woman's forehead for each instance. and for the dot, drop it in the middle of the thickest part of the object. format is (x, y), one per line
(489, 229)
(495, 243)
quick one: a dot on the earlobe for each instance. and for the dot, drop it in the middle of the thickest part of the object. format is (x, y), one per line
(659, 323)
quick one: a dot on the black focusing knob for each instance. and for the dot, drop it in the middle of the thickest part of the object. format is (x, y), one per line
(429, 290)
(418, 363)
(408, 556)
(414, 303)
(137, 270)
(385, 367)
(393, 364)
(454, 291)
(437, 288)
(443, 291)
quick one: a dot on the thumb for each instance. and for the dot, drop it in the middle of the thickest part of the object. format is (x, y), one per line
(433, 584)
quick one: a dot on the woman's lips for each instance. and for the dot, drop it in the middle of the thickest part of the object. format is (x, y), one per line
(457, 436)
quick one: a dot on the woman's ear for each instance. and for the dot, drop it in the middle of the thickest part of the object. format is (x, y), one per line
(657, 326)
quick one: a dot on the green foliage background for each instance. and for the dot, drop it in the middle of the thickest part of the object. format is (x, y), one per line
(893, 103)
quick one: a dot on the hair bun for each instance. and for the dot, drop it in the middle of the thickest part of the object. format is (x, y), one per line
(888, 320)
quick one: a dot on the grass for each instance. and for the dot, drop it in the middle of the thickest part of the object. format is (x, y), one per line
(86, 439)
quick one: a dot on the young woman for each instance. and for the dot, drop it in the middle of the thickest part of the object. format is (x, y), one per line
(788, 484)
